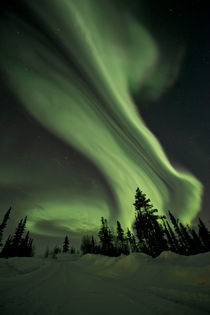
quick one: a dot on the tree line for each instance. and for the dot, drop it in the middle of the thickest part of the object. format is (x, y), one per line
(20, 244)
(153, 234)
(66, 248)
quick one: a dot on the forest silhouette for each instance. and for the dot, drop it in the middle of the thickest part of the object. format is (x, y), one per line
(152, 234)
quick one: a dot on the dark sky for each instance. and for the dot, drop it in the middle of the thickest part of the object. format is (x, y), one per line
(181, 117)
(35, 162)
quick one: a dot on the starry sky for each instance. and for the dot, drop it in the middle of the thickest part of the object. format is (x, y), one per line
(97, 98)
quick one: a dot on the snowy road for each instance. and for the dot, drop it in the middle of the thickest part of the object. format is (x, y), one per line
(100, 285)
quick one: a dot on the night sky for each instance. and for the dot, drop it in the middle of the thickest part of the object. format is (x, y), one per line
(97, 98)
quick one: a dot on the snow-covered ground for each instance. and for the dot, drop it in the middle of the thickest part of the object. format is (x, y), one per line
(94, 284)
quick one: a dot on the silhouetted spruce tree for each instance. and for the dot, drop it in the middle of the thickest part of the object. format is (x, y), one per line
(119, 240)
(30, 248)
(4, 223)
(158, 239)
(197, 246)
(204, 235)
(85, 244)
(140, 219)
(23, 247)
(26, 248)
(17, 238)
(168, 235)
(7, 248)
(122, 243)
(120, 232)
(181, 240)
(88, 245)
(106, 238)
(132, 241)
(149, 231)
(187, 239)
(66, 245)
(173, 243)
(94, 246)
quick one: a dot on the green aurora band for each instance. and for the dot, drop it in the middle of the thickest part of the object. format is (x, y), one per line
(73, 67)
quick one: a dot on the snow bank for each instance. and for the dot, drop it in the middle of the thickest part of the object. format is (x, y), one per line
(136, 284)
(16, 265)
(187, 269)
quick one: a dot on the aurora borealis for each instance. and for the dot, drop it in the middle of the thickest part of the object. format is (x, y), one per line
(74, 68)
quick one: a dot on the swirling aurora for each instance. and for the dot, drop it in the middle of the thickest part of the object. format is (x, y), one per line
(74, 66)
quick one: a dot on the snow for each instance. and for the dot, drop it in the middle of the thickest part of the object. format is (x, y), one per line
(95, 284)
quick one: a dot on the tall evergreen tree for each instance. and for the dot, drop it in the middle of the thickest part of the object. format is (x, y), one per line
(120, 232)
(174, 244)
(94, 247)
(122, 243)
(149, 231)
(66, 245)
(204, 235)
(18, 245)
(23, 246)
(4, 223)
(167, 233)
(181, 240)
(106, 238)
(141, 203)
(132, 241)
(7, 248)
(88, 245)
(158, 236)
(26, 246)
(197, 246)
(30, 248)
(18, 237)
(187, 239)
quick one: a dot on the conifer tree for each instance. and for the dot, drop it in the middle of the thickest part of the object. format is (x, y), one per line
(106, 238)
(140, 219)
(85, 245)
(132, 241)
(181, 240)
(204, 235)
(173, 241)
(187, 240)
(30, 248)
(120, 232)
(122, 243)
(66, 245)
(7, 248)
(149, 231)
(23, 247)
(167, 233)
(93, 245)
(26, 248)
(157, 237)
(197, 246)
(18, 237)
(4, 223)
(88, 245)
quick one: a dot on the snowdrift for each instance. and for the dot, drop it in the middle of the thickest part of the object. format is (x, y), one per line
(96, 284)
